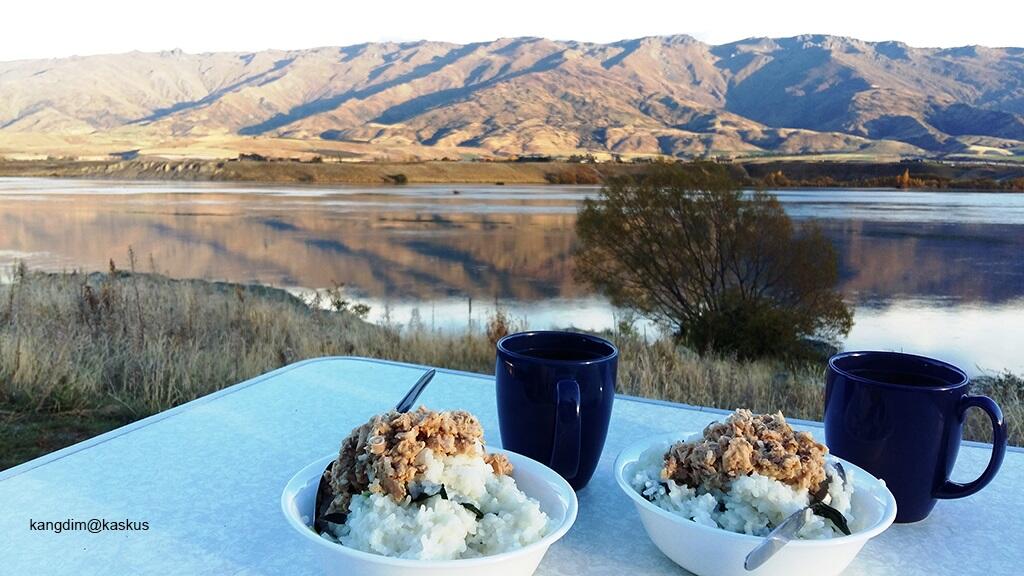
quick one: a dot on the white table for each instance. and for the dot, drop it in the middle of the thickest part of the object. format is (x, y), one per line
(207, 477)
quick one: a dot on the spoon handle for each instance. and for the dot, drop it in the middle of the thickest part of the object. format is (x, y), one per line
(776, 539)
(410, 397)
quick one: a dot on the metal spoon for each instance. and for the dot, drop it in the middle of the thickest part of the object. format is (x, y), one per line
(788, 528)
(777, 538)
(410, 397)
(842, 471)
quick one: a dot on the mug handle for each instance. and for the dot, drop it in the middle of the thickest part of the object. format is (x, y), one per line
(565, 453)
(951, 489)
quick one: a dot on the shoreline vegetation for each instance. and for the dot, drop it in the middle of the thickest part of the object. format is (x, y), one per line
(83, 353)
(813, 172)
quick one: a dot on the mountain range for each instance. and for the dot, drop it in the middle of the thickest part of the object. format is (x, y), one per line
(671, 95)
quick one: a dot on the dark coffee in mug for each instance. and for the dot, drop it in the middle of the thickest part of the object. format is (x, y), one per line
(562, 354)
(900, 417)
(555, 392)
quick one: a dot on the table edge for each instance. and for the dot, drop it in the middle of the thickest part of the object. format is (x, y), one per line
(149, 420)
(142, 423)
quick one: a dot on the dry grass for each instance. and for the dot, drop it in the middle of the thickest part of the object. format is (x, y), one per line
(145, 342)
(1007, 390)
(664, 371)
(127, 345)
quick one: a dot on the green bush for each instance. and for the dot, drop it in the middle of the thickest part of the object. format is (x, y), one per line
(727, 271)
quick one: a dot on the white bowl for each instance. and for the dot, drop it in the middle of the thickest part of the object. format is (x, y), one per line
(557, 500)
(708, 551)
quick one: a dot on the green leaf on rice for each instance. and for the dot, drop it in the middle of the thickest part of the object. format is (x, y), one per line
(473, 509)
(830, 513)
(444, 496)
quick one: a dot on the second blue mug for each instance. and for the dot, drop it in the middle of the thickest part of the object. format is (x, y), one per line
(555, 392)
(900, 417)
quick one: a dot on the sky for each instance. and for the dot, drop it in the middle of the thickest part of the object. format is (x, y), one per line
(57, 28)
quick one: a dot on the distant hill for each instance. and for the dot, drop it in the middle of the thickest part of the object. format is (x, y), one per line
(660, 95)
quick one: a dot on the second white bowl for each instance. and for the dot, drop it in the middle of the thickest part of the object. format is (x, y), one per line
(708, 551)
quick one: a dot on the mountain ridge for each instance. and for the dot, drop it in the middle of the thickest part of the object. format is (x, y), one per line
(656, 95)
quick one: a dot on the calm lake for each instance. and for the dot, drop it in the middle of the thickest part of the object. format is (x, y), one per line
(940, 274)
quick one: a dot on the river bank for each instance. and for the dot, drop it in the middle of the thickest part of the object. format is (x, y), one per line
(308, 172)
(84, 353)
(817, 172)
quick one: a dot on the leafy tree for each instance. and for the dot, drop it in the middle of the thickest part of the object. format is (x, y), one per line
(726, 270)
(776, 179)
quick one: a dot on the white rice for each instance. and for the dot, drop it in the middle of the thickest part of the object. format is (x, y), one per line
(752, 504)
(444, 529)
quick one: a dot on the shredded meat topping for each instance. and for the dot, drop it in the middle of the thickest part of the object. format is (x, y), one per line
(382, 455)
(499, 463)
(742, 445)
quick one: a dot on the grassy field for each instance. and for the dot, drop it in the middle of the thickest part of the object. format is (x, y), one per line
(84, 353)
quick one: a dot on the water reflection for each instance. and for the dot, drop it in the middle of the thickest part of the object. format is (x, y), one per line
(882, 261)
(956, 256)
(977, 338)
(382, 250)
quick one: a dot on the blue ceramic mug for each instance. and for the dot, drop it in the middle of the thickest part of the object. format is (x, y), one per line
(900, 417)
(555, 392)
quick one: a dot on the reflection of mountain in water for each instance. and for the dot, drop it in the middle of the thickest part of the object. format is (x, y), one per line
(424, 243)
(971, 262)
(380, 252)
